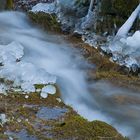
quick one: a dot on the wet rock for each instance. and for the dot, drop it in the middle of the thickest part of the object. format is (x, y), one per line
(47, 113)
(22, 135)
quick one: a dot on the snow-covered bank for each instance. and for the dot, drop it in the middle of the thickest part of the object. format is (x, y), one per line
(123, 52)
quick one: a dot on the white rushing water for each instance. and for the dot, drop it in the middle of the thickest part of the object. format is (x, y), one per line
(45, 58)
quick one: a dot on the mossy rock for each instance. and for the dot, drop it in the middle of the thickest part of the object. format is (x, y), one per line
(76, 127)
(21, 114)
(45, 21)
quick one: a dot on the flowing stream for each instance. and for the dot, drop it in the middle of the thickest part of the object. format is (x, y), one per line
(98, 100)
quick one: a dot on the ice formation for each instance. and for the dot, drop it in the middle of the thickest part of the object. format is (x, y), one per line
(44, 7)
(123, 31)
(23, 74)
(48, 89)
(90, 19)
(3, 119)
(14, 66)
(44, 94)
(126, 49)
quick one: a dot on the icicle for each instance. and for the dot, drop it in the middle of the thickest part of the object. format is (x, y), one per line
(91, 17)
(123, 31)
(91, 6)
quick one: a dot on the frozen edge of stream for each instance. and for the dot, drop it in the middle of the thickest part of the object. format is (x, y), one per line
(124, 50)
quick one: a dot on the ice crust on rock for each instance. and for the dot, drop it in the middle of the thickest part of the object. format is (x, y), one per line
(44, 94)
(11, 52)
(127, 47)
(22, 73)
(50, 89)
(44, 7)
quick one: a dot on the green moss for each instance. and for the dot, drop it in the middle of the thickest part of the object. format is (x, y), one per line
(9, 4)
(39, 86)
(46, 21)
(77, 127)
